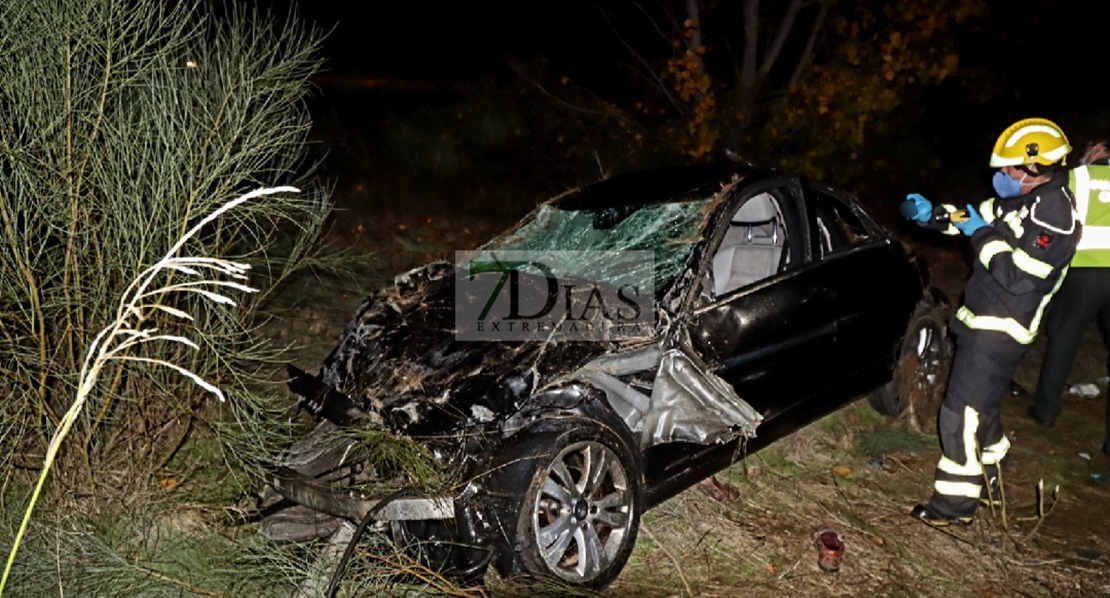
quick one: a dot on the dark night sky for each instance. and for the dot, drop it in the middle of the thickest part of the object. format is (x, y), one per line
(1049, 53)
(1036, 46)
(459, 40)
(1046, 52)
(424, 38)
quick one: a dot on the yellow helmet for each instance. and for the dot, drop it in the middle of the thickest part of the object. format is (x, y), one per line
(1031, 140)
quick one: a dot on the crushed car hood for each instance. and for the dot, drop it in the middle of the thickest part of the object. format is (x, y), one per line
(400, 359)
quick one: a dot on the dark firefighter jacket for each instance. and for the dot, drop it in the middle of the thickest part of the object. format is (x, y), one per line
(1018, 262)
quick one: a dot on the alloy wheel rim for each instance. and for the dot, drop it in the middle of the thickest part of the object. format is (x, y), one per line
(928, 354)
(583, 512)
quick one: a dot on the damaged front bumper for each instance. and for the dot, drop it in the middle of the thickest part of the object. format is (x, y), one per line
(303, 490)
(300, 488)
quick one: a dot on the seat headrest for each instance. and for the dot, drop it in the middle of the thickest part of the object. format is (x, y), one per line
(759, 208)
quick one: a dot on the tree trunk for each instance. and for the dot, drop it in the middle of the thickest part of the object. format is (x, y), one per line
(755, 69)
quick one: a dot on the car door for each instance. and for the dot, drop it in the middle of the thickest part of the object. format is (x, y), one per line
(771, 338)
(871, 297)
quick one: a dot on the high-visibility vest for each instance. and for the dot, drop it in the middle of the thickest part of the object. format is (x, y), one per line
(1091, 185)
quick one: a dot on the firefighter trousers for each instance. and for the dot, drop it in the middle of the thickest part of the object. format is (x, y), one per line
(972, 441)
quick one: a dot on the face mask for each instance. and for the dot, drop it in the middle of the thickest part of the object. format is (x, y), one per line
(1006, 186)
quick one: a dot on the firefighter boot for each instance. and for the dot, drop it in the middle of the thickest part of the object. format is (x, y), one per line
(935, 518)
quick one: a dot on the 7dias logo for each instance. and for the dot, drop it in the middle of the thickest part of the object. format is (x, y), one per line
(553, 295)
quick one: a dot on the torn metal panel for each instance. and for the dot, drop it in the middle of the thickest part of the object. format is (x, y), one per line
(684, 402)
(641, 359)
(689, 403)
(604, 374)
(629, 403)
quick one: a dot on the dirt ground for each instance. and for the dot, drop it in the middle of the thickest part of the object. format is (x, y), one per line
(854, 471)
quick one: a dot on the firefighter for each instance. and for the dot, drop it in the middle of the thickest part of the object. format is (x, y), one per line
(1022, 241)
(1085, 294)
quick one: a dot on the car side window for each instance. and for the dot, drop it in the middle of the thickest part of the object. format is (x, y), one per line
(754, 245)
(836, 226)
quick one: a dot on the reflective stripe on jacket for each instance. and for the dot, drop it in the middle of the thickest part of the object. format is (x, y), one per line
(1092, 203)
(1020, 259)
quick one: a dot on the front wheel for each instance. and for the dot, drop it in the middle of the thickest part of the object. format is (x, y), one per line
(581, 510)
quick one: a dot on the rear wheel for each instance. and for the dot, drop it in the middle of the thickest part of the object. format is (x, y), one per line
(921, 373)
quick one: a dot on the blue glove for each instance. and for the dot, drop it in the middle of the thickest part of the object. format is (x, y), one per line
(973, 223)
(917, 208)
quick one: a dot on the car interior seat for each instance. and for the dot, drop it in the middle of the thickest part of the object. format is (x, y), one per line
(752, 246)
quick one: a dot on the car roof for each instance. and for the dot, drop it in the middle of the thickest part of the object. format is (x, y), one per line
(662, 185)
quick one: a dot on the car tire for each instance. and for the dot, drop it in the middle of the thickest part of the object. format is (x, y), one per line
(921, 372)
(580, 514)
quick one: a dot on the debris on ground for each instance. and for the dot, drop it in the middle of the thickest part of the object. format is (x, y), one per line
(719, 491)
(1087, 391)
(830, 549)
(877, 464)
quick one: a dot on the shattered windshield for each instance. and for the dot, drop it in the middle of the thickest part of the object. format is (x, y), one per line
(668, 230)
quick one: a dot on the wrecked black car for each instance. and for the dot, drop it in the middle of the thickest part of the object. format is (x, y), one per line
(757, 302)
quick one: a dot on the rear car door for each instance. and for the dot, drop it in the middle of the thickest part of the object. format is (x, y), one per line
(871, 279)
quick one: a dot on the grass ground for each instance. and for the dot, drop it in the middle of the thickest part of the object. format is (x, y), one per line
(854, 470)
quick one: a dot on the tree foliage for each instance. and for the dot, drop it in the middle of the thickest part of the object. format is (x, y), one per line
(871, 58)
(799, 83)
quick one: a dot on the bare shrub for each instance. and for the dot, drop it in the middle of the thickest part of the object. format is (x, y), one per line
(122, 124)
